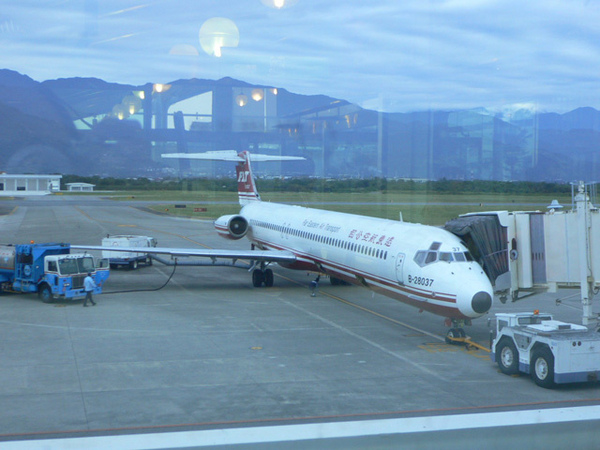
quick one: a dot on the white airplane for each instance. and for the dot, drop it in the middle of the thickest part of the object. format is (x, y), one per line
(423, 266)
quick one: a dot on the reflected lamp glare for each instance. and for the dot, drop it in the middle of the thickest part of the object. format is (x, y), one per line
(241, 100)
(159, 88)
(257, 95)
(132, 104)
(120, 112)
(217, 33)
(279, 4)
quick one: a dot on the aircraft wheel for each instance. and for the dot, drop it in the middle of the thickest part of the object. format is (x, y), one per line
(258, 277)
(454, 333)
(268, 278)
(542, 368)
(507, 357)
(149, 261)
(133, 264)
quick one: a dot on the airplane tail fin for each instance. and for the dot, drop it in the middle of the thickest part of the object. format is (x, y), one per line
(247, 191)
(245, 179)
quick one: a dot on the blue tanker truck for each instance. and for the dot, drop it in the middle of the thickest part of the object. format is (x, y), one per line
(50, 270)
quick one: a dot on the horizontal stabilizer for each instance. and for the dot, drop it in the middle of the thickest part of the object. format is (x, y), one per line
(230, 155)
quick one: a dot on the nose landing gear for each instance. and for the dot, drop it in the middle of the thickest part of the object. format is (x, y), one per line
(456, 334)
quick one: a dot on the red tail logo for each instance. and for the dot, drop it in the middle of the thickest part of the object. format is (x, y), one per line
(246, 189)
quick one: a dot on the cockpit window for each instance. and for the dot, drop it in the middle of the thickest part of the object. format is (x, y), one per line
(458, 256)
(431, 257)
(426, 257)
(420, 258)
(446, 256)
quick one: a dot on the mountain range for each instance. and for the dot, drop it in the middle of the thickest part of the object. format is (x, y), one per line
(38, 134)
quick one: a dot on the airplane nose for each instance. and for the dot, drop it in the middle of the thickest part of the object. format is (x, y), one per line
(482, 302)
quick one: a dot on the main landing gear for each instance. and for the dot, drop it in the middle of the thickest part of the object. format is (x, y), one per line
(456, 334)
(262, 276)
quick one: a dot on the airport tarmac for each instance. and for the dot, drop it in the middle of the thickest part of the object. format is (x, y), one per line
(209, 351)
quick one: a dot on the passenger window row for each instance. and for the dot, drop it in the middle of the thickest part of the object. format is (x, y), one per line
(368, 250)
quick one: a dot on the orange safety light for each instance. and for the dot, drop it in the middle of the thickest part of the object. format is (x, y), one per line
(32, 242)
(536, 311)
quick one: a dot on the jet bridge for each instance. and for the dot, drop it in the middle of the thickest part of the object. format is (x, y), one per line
(529, 252)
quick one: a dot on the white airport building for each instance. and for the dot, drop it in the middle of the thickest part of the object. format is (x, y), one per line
(80, 187)
(15, 185)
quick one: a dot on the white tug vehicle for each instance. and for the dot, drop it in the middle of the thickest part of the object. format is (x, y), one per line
(553, 352)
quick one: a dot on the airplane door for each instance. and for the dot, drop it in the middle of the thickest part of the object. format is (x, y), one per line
(399, 268)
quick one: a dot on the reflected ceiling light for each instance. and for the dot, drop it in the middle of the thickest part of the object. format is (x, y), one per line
(132, 104)
(274, 91)
(159, 87)
(241, 100)
(119, 112)
(217, 33)
(279, 4)
(257, 95)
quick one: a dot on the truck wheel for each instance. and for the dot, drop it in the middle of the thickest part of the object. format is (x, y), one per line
(45, 294)
(542, 368)
(133, 264)
(507, 357)
(149, 261)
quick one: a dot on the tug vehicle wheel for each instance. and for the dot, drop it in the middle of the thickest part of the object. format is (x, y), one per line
(507, 357)
(542, 368)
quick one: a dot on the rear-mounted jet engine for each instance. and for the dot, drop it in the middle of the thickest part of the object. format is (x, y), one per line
(232, 226)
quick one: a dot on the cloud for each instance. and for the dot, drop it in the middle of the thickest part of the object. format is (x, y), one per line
(413, 53)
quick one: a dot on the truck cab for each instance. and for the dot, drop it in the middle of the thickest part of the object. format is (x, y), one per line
(64, 274)
(50, 270)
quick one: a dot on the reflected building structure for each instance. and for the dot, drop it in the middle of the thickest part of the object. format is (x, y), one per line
(339, 139)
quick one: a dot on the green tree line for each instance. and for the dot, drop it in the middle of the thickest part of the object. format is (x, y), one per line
(324, 185)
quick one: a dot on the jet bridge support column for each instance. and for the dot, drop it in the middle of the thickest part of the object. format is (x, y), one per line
(585, 270)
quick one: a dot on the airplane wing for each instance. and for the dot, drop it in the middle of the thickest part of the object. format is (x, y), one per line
(252, 255)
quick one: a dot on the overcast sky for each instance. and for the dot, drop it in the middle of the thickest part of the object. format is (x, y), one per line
(392, 55)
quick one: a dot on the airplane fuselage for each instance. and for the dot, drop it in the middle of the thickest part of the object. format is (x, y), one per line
(424, 266)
